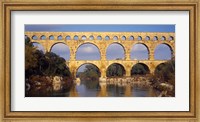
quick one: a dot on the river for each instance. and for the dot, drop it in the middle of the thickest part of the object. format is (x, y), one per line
(108, 90)
(112, 91)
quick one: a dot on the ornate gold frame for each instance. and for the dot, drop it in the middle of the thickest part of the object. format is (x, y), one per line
(120, 5)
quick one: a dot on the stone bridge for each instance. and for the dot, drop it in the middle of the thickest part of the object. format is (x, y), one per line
(102, 40)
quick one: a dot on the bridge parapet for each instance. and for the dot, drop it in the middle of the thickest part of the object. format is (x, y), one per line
(110, 35)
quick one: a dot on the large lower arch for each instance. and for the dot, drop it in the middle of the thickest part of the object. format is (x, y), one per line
(88, 75)
(159, 68)
(140, 51)
(115, 70)
(38, 46)
(163, 52)
(115, 51)
(84, 66)
(140, 69)
(88, 51)
(61, 49)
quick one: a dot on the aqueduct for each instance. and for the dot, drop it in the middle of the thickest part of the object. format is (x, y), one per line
(102, 40)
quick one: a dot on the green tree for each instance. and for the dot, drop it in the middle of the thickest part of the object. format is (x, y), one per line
(90, 76)
(91, 72)
(115, 70)
(52, 64)
(166, 71)
(139, 69)
(38, 63)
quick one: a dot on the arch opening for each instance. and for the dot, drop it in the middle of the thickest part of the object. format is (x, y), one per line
(38, 46)
(107, 38)
(68, 38)
(139, 38)
(99, 38)
(88, 51)
(147, 38)
(155, 38)
(83, 37)
(43, 37)
(163, 52)
(51, 37)
(159, 68)
(171, 38)
(131, 38)
(115, 51)
(115, 38)
(61, 50)
(139, 52)
(60, 37)
(88, 68)
(123, 38)
(166, 72)
(140, 69)
(88, 74)
(91, 37)
(26, 37)
(115, 70)
(163, 38)
(75, 37)
(34, 37)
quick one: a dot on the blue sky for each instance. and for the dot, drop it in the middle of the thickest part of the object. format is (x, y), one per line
(114, 51)
(100, 28)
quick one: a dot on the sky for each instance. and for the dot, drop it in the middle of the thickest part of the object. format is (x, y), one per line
(114, 51)
(100, 28)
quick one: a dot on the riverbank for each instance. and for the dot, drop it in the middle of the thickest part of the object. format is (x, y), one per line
(164, 88)
(39, 86)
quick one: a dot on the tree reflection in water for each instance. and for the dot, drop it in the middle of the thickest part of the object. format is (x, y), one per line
(111, 90)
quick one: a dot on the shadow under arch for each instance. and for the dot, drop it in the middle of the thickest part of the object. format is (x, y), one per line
(124, 50)
(140, 69)
(89, 43)
(158, 68)
(115, 70)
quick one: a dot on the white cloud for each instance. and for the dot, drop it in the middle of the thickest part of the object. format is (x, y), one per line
(88, 49)
(115, 47)
(139, 47)
(60, 47)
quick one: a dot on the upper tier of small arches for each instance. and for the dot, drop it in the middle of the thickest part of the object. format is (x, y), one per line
(102, 36)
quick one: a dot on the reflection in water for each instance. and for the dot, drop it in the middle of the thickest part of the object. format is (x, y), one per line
(128, 90)
(96, 89)
(111, 87)
(73, 92)
(103, 90)
(111, 90)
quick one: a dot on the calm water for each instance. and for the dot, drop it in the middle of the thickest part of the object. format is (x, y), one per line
(96, 89)
(112, 91)
(88, 89)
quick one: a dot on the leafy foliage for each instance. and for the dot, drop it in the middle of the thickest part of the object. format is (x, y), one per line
(90, 72)
(38, 63)
(115, 70)
(139, 69)
(166, 71)
(90, 76)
